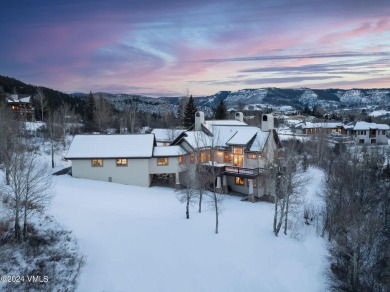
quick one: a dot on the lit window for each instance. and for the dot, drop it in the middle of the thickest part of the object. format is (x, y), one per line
(162, 161)
(203, 157)
(240, 181)
(228, 157)
(97, 162)
(121, 162)
(182, 159)
(251, 156)
(237, 151)
(192, 158)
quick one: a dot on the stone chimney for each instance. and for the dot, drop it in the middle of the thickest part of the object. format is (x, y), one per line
(239, 116)
(267, 122)
(199, 120)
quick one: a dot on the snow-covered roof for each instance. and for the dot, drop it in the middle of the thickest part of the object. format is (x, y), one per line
(309, 125)
(225, 123)
(259, 142)
(243, 136)
(111, 146)
(367, 126)
(164, 151)
(223, 136)
(19, 98)
(166, 135)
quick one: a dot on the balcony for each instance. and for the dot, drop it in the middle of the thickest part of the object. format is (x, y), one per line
(242, 172)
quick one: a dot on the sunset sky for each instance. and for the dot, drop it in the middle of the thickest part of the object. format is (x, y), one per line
(166, 47)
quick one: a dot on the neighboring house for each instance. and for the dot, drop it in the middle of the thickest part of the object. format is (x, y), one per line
(164, 137)
(243, 154)
(308, 128)
(370, 133)
(361, 132)
(127, 159)
(21, 104)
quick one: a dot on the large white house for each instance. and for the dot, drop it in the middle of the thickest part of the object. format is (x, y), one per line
(126, 159)
(370, 133)
(242, 154)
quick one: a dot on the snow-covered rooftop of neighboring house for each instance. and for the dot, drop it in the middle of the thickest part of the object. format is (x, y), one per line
(111, 146)
(19, 98)
(166, 135)
(225, 123)
(367, 126)
(309, 125)
(163, 151)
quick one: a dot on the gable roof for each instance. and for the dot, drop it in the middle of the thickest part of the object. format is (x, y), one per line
(164, 151)
(367, 126)
(225, 123)
(111, 146)
(309, 125)
(166, 135)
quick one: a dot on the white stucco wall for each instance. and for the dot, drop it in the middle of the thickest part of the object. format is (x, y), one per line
(380, 138)
(135, 173)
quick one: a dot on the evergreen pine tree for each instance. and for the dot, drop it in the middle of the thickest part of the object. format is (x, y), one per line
(189, 113)
(220, 112)
(90, 108)
(89, 112)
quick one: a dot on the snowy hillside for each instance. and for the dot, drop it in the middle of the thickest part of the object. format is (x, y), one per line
(297, 98)
(137, 239)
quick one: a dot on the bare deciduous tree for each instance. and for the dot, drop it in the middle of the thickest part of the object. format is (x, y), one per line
(289, 182)
(102, 114)
(42, 101)
(55, 132)
(357, 198)
(132, 116)
(9, 131)
(29, 189)
(188, 193)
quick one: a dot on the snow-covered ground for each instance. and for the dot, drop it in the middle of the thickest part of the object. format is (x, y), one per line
(137, 239)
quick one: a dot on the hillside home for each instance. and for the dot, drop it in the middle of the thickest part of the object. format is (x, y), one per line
(127, 159)
(308, 128)
(370, 133)
(361, 132)
(21, 104)
(242, 154)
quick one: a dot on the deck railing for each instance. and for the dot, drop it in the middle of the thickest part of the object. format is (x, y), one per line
(242, 171)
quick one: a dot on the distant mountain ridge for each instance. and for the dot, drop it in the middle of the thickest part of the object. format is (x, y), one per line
(297, 98)
(253, 99)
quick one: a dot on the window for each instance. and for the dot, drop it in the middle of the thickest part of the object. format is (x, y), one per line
(251, 156)
(203, 157)
(162, 161)
(192, 158)
(227, 157)
(240, 181)
(383, 132)
(182, 159)
(97, 162)
(237, 151)
(121, 162)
